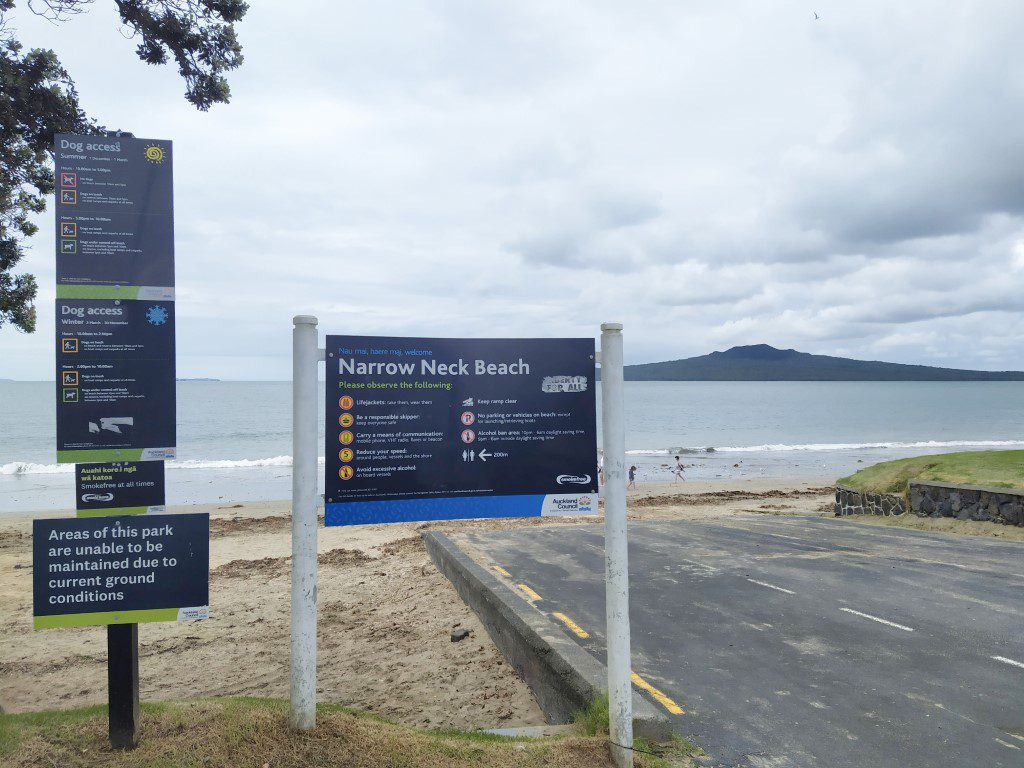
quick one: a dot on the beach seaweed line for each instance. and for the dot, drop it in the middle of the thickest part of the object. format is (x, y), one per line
(699, 499)
(275, 566)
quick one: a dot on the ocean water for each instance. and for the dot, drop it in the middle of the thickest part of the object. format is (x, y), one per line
(234, 438)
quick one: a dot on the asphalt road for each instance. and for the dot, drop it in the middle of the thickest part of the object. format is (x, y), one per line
(804, 641)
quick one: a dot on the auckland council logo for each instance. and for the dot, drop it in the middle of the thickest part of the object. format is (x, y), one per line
(154, 153)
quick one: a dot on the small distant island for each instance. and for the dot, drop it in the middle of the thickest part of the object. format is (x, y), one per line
(197, 379)
(762, 362)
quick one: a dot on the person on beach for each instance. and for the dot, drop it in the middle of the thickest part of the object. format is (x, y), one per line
(679, 470)
(600, 467)
(632, 478)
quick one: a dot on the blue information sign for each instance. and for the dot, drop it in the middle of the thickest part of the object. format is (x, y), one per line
(119, 488)
(115, 217)
(115, 368)
(120, 570)
(431, 429)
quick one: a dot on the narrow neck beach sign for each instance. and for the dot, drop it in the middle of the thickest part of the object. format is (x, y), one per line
(437, 429)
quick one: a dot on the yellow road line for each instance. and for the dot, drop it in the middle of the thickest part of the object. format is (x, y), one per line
(580, 631)
(530, 593)
(502, 571)
(659, 697)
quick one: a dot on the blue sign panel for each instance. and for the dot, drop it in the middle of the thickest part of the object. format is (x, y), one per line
(115, 367)
(115, 217)
(119, 488)
(432, 429)
(115, 380)
(120, 570)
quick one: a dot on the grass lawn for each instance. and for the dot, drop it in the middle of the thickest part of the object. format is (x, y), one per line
(217, 733)
(995, 469)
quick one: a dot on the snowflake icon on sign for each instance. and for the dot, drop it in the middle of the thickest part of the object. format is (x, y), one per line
(156, 315)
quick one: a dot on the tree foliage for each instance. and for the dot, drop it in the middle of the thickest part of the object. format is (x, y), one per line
(38, 99)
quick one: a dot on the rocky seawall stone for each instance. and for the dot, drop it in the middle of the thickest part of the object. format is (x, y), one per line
(967, 502)
(852, 502)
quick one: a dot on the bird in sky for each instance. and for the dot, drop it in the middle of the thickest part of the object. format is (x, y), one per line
(816, 16)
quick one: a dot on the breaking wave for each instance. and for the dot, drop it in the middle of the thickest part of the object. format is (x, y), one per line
(881, 444)
(31, 468)
(780, 447)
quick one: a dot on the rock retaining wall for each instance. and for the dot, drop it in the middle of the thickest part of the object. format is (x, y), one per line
(851, 502)
(966, 502)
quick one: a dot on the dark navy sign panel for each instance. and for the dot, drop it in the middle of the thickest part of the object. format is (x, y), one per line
(115, 211)
(114, 329)
(115, 314)
(137, 485)
(425, 429)
(111, 564)
(115, 377)
(115, 249)
(122, 408)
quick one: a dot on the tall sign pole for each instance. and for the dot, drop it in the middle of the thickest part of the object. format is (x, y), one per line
(434, 429)
(305, 355)
(115, 373)
(616, 556)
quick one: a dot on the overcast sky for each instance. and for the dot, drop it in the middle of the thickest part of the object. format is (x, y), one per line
(707, 173)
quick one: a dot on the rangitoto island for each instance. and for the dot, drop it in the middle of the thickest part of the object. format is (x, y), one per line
(762, 362)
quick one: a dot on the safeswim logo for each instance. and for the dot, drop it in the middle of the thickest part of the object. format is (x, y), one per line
(572, 479)
(97, 497)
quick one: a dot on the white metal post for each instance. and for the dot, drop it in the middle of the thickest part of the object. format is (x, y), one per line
(616, 557)
(304, 470)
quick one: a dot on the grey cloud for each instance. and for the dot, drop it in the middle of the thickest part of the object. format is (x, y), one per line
(739, 172)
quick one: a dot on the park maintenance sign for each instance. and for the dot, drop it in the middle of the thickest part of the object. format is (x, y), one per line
(431, 429)
(120, 570)
(115, 366)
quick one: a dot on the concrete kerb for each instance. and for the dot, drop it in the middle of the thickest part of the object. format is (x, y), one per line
(564, 678)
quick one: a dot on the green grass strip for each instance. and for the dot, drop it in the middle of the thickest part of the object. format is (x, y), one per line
(104, 617)
(990, 469)
(97, 291)
(96, 455)
(112, 512)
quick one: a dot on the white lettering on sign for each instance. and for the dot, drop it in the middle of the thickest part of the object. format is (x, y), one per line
(66, 309)
(564, 384)
(90, 146)
(434, 368)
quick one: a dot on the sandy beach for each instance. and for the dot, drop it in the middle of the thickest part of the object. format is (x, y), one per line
(386, 615)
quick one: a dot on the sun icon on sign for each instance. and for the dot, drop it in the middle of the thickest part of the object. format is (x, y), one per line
(154, 153)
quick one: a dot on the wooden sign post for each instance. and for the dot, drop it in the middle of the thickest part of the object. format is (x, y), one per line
(123, 685)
